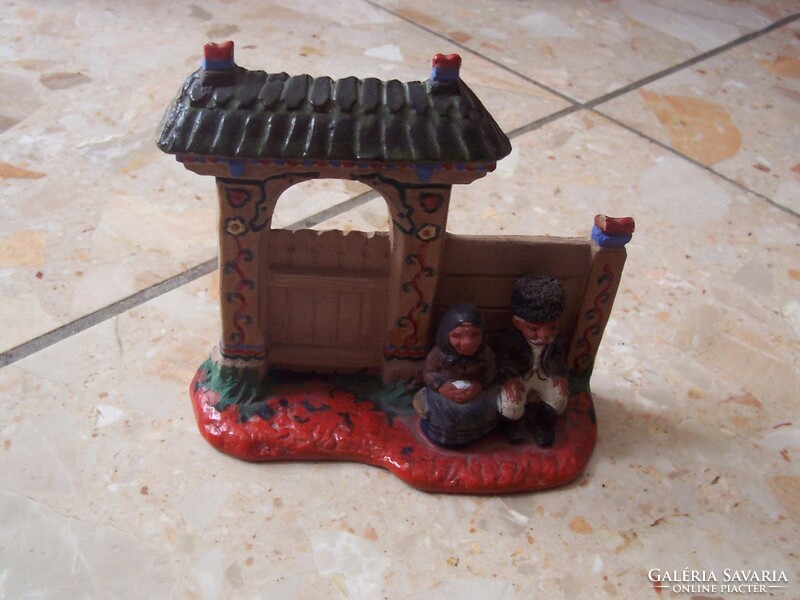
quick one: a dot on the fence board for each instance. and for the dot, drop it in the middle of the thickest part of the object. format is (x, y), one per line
(280, 326)
(482, 270)
(325, 249)
(376, 250)
(349, 318)
(491, 291)
(512, 255)
(373, 319)
(303, 255)
(352, 249)
(279, 247)
(308, 248)
(323, 317)
(338, 280)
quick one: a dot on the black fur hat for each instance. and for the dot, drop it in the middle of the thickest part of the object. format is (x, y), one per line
(538, 299)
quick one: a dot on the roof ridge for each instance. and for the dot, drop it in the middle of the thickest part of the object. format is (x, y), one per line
(256, 114)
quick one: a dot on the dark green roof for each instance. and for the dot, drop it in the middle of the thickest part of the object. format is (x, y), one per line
(302, 117)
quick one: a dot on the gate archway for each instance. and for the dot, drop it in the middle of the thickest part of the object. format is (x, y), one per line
(259, 133)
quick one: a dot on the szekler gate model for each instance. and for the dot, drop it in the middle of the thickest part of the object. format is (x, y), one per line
(363, 307)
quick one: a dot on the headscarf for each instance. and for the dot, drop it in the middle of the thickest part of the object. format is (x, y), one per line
(456, 315)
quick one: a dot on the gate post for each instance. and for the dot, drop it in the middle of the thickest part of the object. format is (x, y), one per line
(609, 237)
(244, 211)
(245, 215)
(419, 218)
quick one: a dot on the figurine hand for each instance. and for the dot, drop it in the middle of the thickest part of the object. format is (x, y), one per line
(472, 391)
(515, 391)
(562, 385)
(420, 403)
(461, 396)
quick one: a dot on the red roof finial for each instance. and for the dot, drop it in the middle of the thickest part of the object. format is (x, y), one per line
(218, 67)
(447, 61)
(218, 52)
(445, 73)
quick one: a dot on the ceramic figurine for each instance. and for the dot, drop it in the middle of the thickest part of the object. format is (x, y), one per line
(533, 364)
(458, 404)
(324, 335)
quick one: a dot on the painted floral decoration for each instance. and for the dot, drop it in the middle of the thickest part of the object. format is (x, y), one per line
(431, 202)
(237, 198)
(235, 226)
(428, 232)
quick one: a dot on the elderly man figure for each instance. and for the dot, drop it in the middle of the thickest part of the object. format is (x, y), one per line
(531, 364)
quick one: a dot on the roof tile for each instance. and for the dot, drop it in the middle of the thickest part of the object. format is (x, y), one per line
(318, 133)
(418, 97)
(295, 91)
(270, 93)
(394, 95)
(247, 93)
(368, 146)
(320, 93)
(369, 97)
(346, 92)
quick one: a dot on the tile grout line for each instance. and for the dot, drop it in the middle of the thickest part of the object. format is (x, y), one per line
(488, 59)
(592, 104)
(335, 210)
(162, 287)
(615, 93)
(112, 310)
(697, 163)
(103, 314)
(546, 120)
(690, 62)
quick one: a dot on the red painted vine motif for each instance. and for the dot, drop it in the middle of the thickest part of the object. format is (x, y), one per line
(420, 306)
(240, 315)
(595, 315)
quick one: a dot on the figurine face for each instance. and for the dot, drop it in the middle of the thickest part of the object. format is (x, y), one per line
(466, 339)
(537, 334)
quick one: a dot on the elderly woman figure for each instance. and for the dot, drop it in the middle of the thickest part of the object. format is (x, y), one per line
(457, 406)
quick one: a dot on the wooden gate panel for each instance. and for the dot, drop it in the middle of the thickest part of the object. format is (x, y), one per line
(279, 316)
(301, 307)
(326, 297)
(326, 309)
(373, 321)
(348, 318)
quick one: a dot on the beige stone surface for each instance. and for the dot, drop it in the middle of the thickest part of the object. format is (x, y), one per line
(585, 50)
(109, 490)
(737, 113)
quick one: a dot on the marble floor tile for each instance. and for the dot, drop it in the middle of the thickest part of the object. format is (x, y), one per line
(114, 493)
(91, 211)
(586, 50)
(738, 113)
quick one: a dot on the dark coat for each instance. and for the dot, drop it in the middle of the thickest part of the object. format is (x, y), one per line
(515, 359)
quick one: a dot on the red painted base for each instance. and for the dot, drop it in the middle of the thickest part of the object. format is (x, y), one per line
(316, 421)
